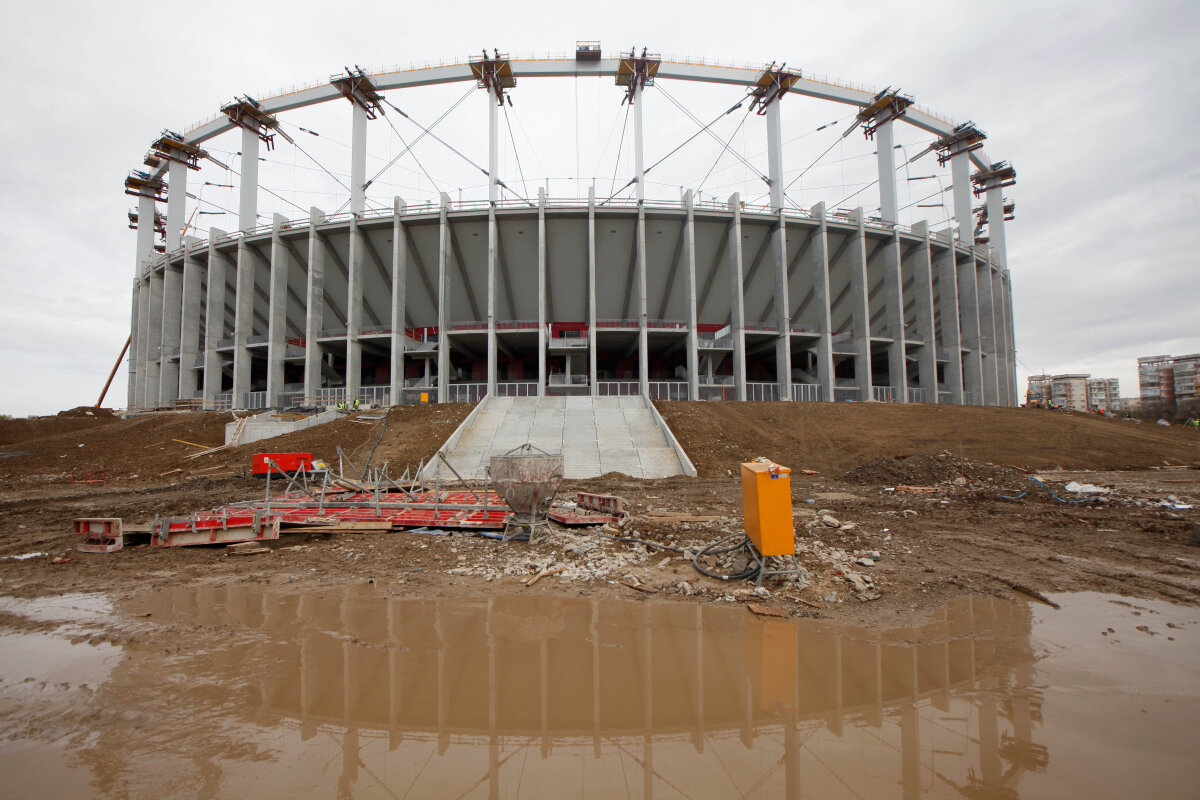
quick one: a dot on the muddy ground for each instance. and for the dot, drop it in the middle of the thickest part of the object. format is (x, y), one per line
(872, 551)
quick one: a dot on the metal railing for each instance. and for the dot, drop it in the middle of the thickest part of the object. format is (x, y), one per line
(568, 342)
(968, 398)
(807, 392)
(613, 388)
(517, 389)
(668, 390)
(945, 397)
(917, 395)
(762, 392)
(843, 393)
(714, 343)
(375, 395)
(884, 394)
(710, 391)
(560, 379)
(329, 396)
(466, 392)
(254, 400)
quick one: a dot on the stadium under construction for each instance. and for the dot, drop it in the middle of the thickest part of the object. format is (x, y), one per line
(592, 292)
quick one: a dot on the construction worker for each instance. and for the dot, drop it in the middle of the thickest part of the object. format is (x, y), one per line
(341, 406)
(356, 404)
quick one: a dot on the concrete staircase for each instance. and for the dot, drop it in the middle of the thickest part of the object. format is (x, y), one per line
(596, 435)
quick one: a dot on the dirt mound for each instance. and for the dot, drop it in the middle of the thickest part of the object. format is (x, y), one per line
(13, 431)
(835, 437)
(88, 411)
(151, 448)
(926, 470)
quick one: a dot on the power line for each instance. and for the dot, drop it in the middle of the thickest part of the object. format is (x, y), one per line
(745, 117)
(424, 132)
(696, 119)
(620, 147)
(513, 140)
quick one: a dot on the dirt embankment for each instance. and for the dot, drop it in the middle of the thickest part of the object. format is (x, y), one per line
(835, 437)
(147, 449)
(980, 525)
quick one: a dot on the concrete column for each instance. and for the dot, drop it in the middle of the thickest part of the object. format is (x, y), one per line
(885, 149)
(176, 204)
(154, 338)
(399, 299)
(951, 338)
(443, 300)
(172, 309)
(492, 349)
(783, 311)
(541, 288)
(783, 319)
(821, 301)
(693, 321)
(131, 394)
(960, 174)
(1012, 340)
(968, 310)
(142, 338)
(1000, 346)
(860, 307)
(893, 288)
(1003, 300)
(960, 177)
(277, 314)
(987, 326)
(737, 299)
(193, 305)
(248, 188)
(358, 158)
(923, 293)
(138, 352)
(640, 185)
(643, 335)
(591, 290)
(314, 318)
(354, 312)
(214, 319)
(243, 323)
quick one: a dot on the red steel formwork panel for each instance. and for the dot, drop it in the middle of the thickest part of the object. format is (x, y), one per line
(102, 534)
(460, 510)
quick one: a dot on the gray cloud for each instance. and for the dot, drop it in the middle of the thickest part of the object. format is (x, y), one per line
(1095, 104)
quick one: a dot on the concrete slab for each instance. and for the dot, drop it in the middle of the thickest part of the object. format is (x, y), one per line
(596, 435)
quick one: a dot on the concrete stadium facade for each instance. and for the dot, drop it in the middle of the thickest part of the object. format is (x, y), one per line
(685, 300)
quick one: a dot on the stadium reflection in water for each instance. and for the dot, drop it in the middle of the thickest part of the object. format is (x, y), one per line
(567, 697)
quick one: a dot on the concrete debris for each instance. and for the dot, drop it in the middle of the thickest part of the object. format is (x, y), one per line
(831, 521)
(1086, 488)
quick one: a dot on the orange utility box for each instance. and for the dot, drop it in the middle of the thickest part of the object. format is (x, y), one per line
(767, 507)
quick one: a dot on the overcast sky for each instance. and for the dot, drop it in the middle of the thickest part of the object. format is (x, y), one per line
(1095, 104)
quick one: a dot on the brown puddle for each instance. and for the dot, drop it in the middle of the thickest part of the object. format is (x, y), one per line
(241, 691)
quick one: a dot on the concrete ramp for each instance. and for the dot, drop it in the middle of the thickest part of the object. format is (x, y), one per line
(596, 435)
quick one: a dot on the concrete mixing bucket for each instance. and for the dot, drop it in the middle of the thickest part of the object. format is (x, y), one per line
(528, 481)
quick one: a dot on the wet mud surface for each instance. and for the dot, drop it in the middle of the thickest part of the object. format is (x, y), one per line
(375, 664)
(242, 690)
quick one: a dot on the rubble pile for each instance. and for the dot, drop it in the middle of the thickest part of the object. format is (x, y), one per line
(943, 467)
